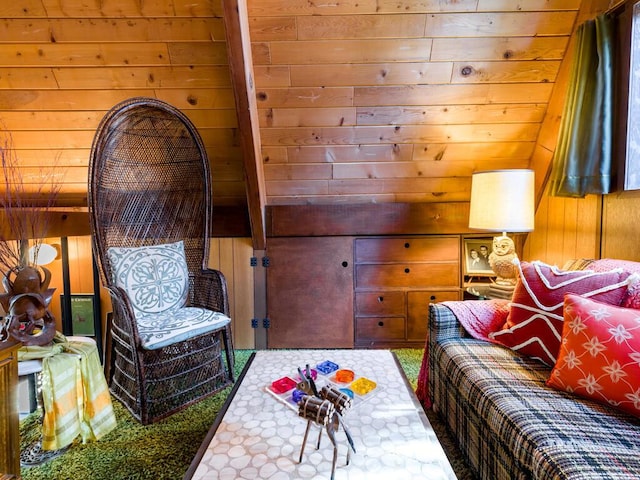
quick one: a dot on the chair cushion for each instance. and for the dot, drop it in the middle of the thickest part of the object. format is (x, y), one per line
(155, 277)
(156, 280)
(161, 329)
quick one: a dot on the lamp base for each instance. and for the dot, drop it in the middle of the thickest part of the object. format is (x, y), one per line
(501, 291)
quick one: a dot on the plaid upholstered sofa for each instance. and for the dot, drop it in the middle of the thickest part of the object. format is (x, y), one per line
(508, 423)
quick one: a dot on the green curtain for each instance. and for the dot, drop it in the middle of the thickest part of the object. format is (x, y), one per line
(582, 162)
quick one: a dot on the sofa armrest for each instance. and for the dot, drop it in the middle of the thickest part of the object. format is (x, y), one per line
(443, 324)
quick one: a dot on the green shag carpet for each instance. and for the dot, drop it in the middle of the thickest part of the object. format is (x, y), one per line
(164, 450)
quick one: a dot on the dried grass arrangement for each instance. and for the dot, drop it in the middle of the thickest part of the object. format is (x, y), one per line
(25, 203)
(25, 200)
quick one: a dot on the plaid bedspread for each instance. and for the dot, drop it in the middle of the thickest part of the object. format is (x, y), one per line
(510, 425)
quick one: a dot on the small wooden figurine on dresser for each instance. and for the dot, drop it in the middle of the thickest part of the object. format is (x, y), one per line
(26, 300)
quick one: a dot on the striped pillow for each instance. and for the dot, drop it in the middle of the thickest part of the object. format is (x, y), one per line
(535, 321)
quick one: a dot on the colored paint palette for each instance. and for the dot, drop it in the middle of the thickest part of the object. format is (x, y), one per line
(327, 373)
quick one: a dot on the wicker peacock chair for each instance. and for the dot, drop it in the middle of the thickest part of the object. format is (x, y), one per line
(149, 199)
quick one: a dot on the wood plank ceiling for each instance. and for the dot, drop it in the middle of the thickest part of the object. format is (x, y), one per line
(355, 101)
(391, 101)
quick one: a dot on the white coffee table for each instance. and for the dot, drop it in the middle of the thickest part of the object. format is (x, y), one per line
(259, 435)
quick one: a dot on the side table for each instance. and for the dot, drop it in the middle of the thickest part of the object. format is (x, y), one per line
(488, 292)
(477, 292)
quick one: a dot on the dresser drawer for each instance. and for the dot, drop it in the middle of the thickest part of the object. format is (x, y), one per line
(418, 311)
(425, 249)
(380, 303)
(417, 275)
(380, 329)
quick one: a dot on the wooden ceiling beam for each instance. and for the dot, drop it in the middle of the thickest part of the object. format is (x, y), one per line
(242, 78)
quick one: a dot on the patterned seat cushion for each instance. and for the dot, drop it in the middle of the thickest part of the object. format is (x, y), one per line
(156, 279)
(162, 329)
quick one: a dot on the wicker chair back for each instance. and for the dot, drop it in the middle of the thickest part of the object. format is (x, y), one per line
(149, 184)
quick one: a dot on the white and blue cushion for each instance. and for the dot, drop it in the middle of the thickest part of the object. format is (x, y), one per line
(156, 279)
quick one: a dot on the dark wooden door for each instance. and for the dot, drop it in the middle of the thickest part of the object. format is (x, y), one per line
(310, 292)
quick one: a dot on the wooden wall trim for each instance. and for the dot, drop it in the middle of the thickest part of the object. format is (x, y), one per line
(368, 219)
(227, 221)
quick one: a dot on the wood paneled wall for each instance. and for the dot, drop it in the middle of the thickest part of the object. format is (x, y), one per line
(621, 226)
(388, 101)
(597, 226)
(359, 101)
(63, 63)
(232, 256)
(565, 228)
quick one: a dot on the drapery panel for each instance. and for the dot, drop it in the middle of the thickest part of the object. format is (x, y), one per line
(582, 163)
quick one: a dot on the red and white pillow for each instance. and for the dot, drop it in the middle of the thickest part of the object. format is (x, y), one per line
(535, 321)
(600, 353)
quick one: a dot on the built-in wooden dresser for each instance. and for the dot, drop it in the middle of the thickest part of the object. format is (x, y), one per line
(395, 280)
(9, 421)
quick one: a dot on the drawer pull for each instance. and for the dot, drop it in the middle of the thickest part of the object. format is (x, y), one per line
(407, 270)
(380, 299)
(433, 297)
(381, 324)
(345, 264)
(407, 245)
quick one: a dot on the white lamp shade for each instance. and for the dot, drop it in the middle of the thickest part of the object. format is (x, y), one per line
(44, 254)
(502, 201)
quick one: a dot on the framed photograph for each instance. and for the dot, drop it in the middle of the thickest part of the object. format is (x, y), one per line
(82, 318)
(476, 256)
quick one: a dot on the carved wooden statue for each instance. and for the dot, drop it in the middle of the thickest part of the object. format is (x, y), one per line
(26, 302)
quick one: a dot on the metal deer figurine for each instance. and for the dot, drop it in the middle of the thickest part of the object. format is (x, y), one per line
(325, 408)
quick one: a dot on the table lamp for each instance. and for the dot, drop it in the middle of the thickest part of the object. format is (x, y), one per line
(503, 201)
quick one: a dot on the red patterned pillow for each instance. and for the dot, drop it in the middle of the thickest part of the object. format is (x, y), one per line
(600, 353)
(534, 324)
